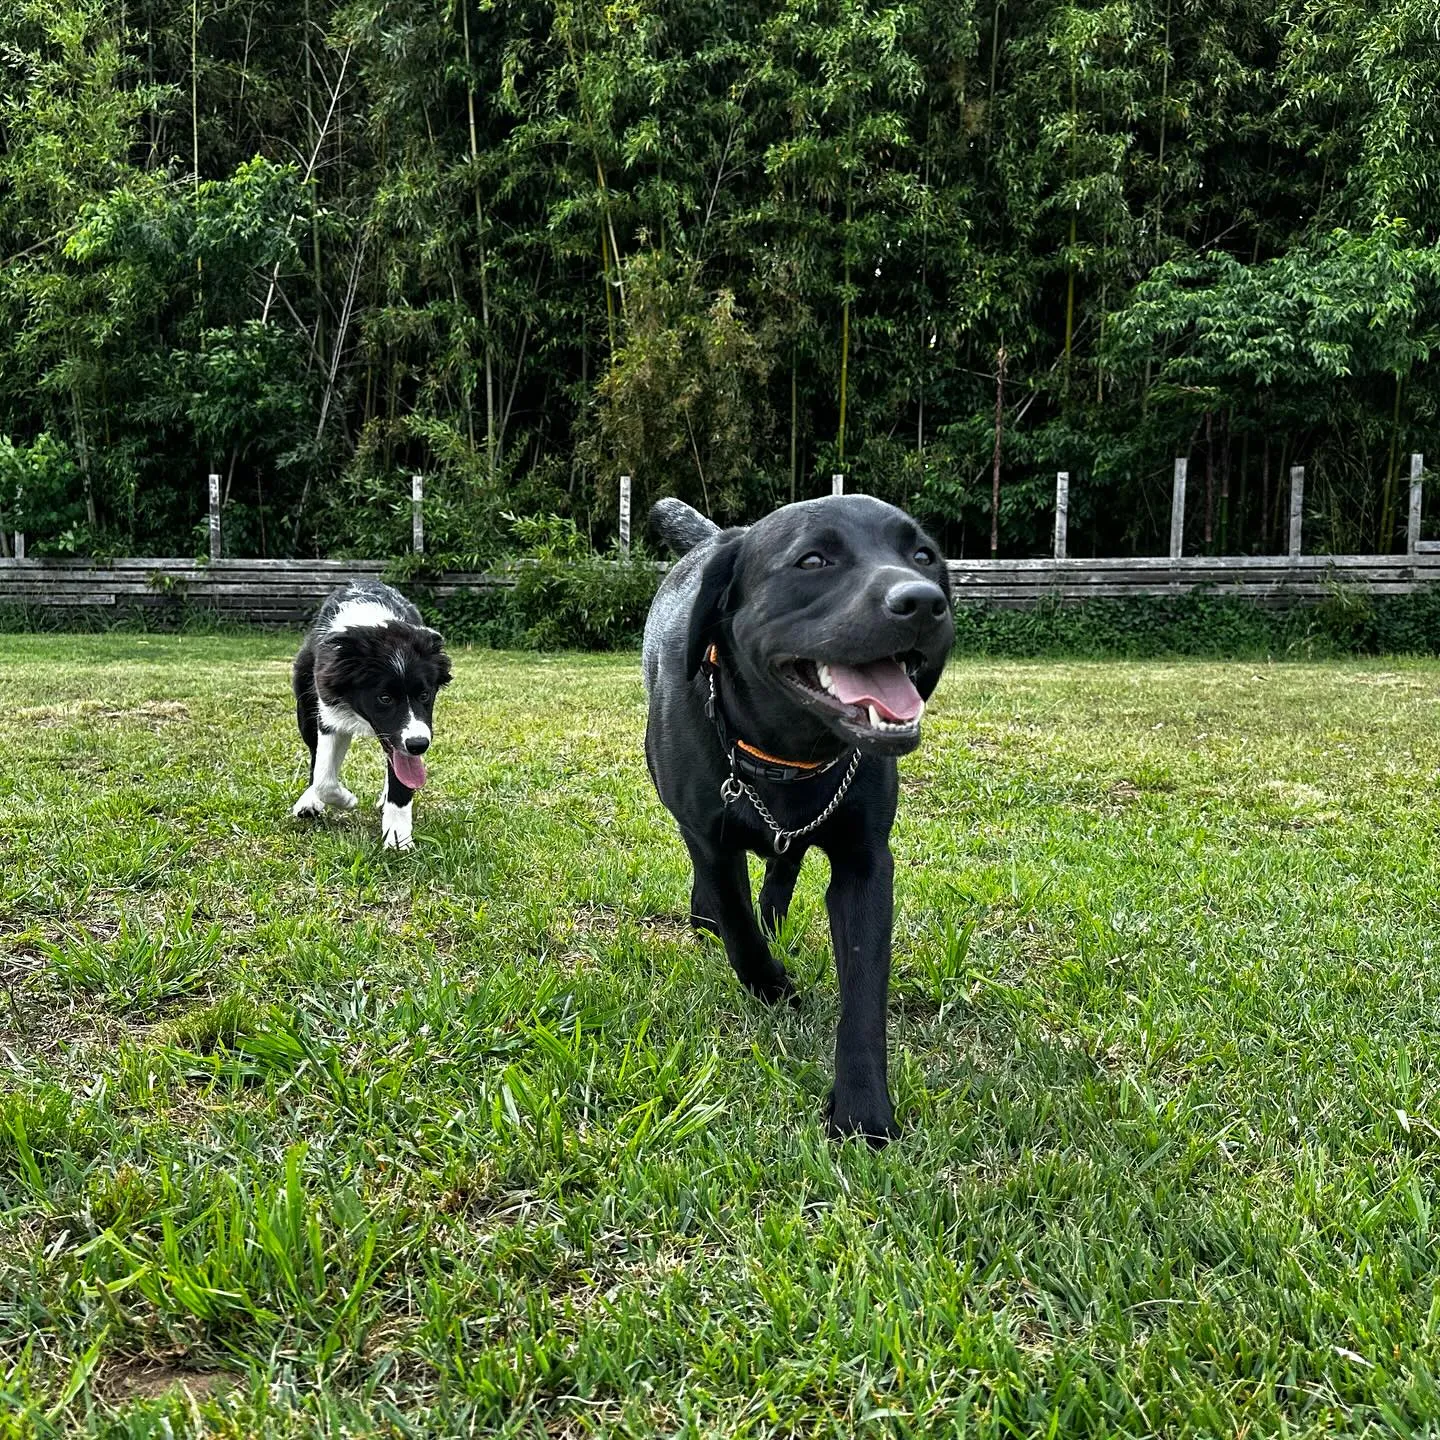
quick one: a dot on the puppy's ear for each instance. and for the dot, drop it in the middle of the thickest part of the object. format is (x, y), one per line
(431, 644)
(713, 602)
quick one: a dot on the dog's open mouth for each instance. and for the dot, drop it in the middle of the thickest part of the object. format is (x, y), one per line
(879, 696)
(408, 769)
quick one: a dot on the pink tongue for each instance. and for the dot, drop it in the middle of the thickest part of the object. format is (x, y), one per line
(409, 769)
(883, 684)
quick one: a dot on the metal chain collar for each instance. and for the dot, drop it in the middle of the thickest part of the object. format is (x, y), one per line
(733, 788)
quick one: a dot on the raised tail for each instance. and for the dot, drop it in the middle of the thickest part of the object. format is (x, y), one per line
(679, 525)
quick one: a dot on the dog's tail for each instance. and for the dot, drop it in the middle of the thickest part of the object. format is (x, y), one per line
(679, 525)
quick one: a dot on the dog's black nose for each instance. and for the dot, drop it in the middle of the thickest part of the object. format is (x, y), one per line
(915, 597)
(418, 744)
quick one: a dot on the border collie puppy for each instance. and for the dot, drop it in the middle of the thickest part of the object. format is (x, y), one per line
(369, 666)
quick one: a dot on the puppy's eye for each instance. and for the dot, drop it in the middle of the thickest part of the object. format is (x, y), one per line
(924, 556)
(385, 699)
(423, 697)
(813, 561)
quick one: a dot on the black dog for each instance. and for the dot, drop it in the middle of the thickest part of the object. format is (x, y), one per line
(369, 666)
(787, 665)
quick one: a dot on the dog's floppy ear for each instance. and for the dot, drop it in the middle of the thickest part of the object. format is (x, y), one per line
(431, 644)
(712, 602)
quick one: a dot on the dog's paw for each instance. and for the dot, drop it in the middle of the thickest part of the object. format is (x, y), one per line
(868, 1115)
(308, 806)
(396, 827)
(773, 985)
(337, 797)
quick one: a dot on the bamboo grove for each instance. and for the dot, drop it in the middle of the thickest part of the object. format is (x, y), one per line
(946, 247)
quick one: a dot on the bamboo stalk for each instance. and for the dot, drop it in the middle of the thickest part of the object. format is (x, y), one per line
(995, 468)
(845, 331)
(1386, 538)
(491, 447)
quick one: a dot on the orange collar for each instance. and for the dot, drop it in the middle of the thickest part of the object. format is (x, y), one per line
(757, 763)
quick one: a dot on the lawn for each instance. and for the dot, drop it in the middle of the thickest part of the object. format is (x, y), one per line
(302, 1137)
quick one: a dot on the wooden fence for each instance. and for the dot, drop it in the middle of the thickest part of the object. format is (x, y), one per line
(258, 592)
(287, 592)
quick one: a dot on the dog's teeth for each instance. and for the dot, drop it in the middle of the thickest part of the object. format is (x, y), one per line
(875, 719)
(823, 671)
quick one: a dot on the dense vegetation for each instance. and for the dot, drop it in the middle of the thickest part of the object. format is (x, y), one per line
(314, 245)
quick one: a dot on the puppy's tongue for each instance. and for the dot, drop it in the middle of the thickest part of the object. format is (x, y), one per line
(883, 684)
(409, 769)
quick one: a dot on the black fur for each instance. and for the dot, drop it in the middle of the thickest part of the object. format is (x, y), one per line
(883, 591)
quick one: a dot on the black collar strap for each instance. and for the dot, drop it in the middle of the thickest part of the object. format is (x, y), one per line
(750, 760)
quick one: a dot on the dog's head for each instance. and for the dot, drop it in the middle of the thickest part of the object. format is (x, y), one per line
(389, 675)
(838, 608)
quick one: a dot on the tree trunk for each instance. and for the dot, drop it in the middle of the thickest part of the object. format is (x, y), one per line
(1386, 537)
(1265, 496)
(83, 448)
(1225, 488)
(995, 470)
(1209, 486)
(1244, 495)
(491, 449)
(845, 338)
(794, 424)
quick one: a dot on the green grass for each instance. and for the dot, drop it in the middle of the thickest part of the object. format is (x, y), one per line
(300, 1137)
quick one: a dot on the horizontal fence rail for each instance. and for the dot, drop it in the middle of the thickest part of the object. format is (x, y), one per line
(287, 592)
(259, 592)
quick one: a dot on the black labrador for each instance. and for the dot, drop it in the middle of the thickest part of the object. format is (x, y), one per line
(787, 665)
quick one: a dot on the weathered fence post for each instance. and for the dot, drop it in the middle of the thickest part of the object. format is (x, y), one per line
(417, 514)
(1417, 470)
(18, 542)
(1297, 502)
(1062, 511)
(214, 517)
(1177, 509)
(624, 514)
(837, 484)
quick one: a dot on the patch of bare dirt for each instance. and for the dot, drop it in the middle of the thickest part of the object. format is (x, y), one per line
(154, 714)
(120, 1382)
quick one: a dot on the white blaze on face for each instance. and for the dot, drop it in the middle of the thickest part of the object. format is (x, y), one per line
(360, 614)
(415, 729)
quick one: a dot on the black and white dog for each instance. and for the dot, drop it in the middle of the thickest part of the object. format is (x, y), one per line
(787, 665)
(369, 666)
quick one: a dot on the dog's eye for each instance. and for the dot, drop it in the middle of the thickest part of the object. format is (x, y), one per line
(386, 699)
(423, 697)
(813, 561)
(924, 556)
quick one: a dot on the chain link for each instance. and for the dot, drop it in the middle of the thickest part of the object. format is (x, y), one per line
(735, 787)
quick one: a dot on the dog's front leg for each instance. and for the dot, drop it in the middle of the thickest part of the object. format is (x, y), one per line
(396, 814)
(720, 903)
(781, 873)
(861, 902)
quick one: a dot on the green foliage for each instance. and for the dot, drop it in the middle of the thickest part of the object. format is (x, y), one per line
(1206, 626)
(563, 595)
(728, 248)
(39, 494)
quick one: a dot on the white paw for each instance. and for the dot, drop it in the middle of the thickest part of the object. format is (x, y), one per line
(337, 797)
(308, 805)
(396, 827)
